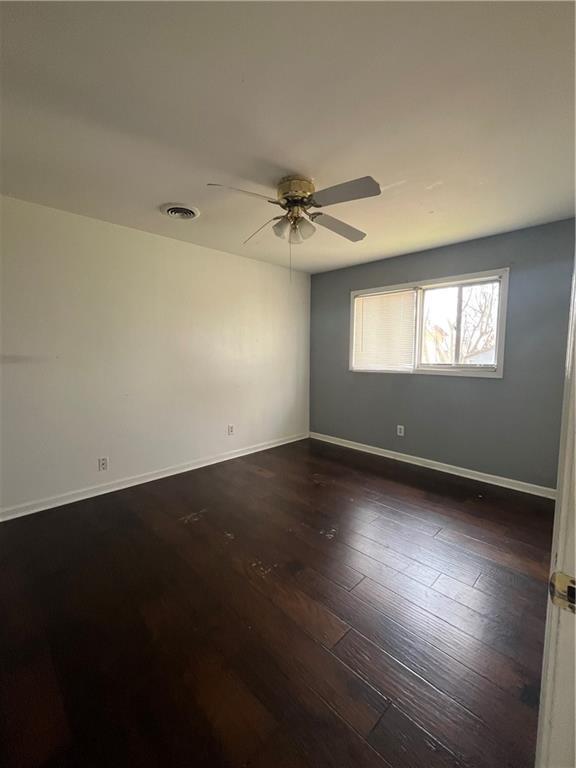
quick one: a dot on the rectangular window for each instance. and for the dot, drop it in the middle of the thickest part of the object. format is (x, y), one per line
(448, 326)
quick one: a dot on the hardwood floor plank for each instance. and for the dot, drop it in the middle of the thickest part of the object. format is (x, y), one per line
(379, 529)
(472, 518)
(404, 744)
(33, 722)
(124, 706)
(286, 542)
(320, 735)
(504, 638)
(502, 608)
(263, 565)
(501, 670)
(34, 726)
(423, 524)
(322, 625)
(454, 727)
(261, 560)
(266, 576)
(315, 730)
(448, 559)
(357, 703)
(327, 542)
(417, 489)
(318, 547)
(280, 752)
(238, 720)
(514, 587)
(382, 553)
(425, 550)
(422, 573)
(239, 724)
(519, 557)
(502, 710)
(277, 523)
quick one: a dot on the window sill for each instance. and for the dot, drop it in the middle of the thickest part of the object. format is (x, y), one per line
(491, 373)
(485, 373)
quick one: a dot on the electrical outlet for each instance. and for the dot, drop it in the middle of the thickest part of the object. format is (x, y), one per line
(400, 430)
(230, 429)
(103, 464)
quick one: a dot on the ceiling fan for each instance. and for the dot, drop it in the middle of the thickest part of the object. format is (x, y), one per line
(296, 195)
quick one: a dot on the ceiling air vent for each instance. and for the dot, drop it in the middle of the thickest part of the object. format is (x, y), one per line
(179, 211)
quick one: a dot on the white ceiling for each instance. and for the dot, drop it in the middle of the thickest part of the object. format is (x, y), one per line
(463, 112)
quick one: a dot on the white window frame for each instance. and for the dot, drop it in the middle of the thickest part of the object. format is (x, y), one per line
(494, 371)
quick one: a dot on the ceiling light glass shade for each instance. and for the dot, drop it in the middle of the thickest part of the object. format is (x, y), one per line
(295, 237)
(306, 228)
(281, 228)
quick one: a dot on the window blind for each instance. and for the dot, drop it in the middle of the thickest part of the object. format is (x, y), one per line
(384, 330)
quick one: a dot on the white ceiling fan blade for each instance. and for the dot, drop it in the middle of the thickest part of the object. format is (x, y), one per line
(244, 192)
(349, 190)
(261, 228)
(338, 227)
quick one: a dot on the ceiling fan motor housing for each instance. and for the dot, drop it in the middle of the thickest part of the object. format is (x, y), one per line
(294, 190)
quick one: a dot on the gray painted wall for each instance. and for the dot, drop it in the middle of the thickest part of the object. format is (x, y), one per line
(508, 427)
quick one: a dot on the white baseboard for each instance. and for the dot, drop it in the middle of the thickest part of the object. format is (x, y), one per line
(471, 474)
(28, 508)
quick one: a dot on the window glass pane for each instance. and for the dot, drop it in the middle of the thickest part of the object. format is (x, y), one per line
(439, 314)
(479, 323)
(384, 328)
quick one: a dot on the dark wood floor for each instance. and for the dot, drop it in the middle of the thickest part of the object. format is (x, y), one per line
(306, 606)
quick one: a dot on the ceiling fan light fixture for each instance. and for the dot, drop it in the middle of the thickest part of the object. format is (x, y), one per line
(295, 237)
(306, 228)
(281, 228)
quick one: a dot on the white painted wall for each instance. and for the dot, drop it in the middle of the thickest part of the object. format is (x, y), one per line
(129, 345)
